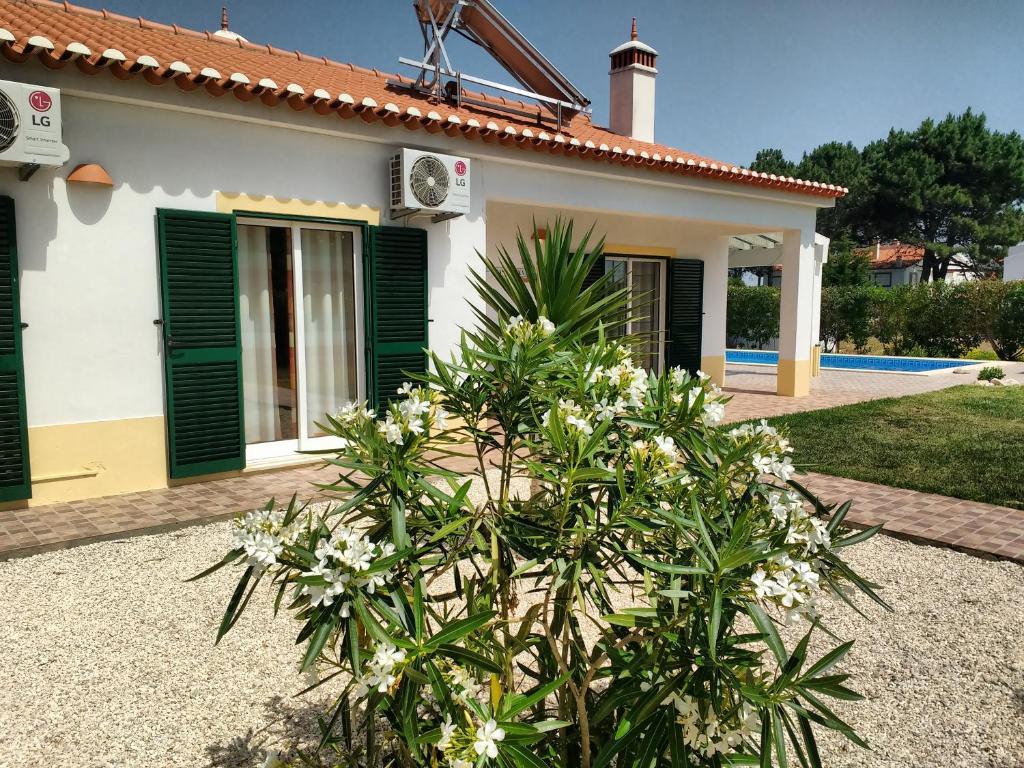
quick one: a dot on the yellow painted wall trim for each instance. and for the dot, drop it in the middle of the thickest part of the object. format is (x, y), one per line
(714, 366)
(794, 378)
(97, 458)
(618, 249)
(229, 202)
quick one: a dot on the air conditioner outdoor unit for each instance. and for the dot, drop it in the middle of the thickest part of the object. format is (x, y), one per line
(30, 126)
(429, 183)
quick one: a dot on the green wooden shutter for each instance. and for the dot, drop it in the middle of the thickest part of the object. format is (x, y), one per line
(595, 273)
(685, 313)
(15, 476)
(202, 347)
(397, 327)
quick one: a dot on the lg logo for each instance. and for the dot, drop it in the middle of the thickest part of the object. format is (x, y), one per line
(40, 101)
(460, 169)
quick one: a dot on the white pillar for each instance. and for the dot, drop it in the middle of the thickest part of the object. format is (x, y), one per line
(715, 255)
(820, 259)
(796, 311)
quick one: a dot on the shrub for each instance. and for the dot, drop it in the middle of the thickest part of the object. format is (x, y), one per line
(602, 589)
(846, 314)
(752, 315)
(991, 373)
(1007, 337)
(890, 320)
(981, 354)
(941, 319)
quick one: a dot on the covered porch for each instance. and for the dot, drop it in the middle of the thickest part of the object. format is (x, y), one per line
(799, 306)
(683, 264)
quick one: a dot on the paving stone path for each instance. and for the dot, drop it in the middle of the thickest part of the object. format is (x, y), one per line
(970, 526)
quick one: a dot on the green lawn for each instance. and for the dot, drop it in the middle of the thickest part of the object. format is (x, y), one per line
(966, 442)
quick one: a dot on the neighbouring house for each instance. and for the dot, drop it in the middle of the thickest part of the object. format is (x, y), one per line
(898, 263)
(891, 264)
(1013, 264)
(206, 243)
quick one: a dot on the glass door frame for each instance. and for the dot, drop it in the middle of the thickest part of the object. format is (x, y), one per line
(256, 452)
(659, 326)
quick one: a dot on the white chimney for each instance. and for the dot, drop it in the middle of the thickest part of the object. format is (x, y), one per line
(632, 89)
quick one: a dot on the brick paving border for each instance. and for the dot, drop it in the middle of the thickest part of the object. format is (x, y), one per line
(979, 529)
(968, 526)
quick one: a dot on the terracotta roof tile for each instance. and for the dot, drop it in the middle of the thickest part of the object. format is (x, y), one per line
(892, 255)
(64, 35)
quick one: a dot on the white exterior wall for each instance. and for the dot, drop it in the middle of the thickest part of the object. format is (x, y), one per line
(89, 261)
(88, 255)
(1013, 267)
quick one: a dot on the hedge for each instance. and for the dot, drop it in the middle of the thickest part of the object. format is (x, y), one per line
(931, 319)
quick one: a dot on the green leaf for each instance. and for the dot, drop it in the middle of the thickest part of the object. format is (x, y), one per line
(230, 557)
(513, 705)
(469, 658)
(769, 633)
(829, 660)
(232, 611)
(715, 624)
(523, 757)
(672, 568)
(317, 642)
(457, 630)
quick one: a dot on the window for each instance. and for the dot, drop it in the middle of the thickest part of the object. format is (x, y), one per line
(883, 279)
(645, 280)
(301, 320)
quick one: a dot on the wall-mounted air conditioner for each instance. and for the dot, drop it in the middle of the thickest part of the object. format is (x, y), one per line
(30, 126)
(429, 183)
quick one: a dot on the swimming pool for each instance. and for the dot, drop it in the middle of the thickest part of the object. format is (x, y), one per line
(853, 362)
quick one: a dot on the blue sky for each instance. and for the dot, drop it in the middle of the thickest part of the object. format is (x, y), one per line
(735, 75)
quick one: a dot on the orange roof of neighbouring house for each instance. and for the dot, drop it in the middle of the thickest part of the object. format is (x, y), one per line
(892, 255)
(62, 35)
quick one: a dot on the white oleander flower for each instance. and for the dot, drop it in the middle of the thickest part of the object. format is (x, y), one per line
(788, 592)
(392, 430)
(546, 326)
(487, 738)
(387, 656)
(762, 464)
(448, 729)
(783, 468)
(714, 412)
(441, 418)
(667, 447)
(353, 411)
(763, 586)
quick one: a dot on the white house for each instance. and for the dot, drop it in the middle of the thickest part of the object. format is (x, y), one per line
(218, 262)
(1013, 265)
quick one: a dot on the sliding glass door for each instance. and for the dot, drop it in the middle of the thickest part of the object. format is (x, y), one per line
(645, 281)
(302, 336)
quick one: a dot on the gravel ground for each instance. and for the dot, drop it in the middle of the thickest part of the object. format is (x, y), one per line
(110, 661)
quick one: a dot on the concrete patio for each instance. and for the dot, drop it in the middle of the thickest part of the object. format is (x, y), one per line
(969, 526)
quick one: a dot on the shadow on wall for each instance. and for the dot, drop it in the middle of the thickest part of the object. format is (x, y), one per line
(33, 198)
(89, 203)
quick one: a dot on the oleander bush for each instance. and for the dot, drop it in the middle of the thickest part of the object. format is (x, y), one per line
(602, 587)
(931, 319)
(991, 373)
